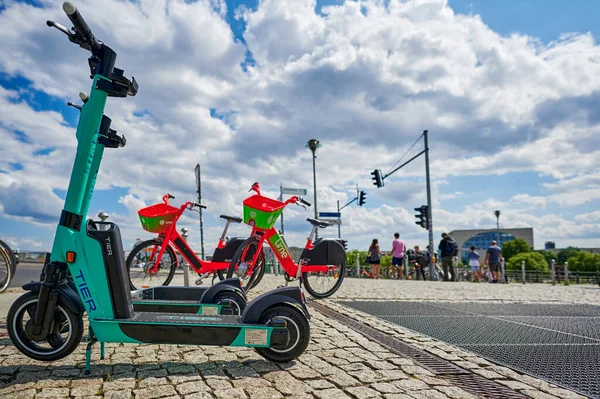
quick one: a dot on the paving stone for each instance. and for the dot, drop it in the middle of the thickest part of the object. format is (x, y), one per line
(331, 393)
(535, 394)
(53, 383)
(489, 374)
(199, 395)
(402, 361)
(233, 393)
(192, 387)
(416, 370)
(263, 366)
(455, 392)
(152, 373)
(290, 386)
(89, 390)
(516, 385)
(397, 396)
(467, 365)
(343, 380)
(24, 394)
(366, 376)
(152, 382)
(411, 384)
(263, 393)
(303, 372)
(180, 379)
(213, 373)
(381, 365)
(391, 375)
(155, 392)
(427, 394)
(432, 381)
(385, 387)
(320, 384)
(241, 372)
(219, 384)
(362, 392)
(125, 383)
(250, 383)
(354, 367)
(124, 394)
(53, 393)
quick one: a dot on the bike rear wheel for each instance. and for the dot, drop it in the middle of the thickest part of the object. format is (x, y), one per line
(241, 264)
(140, 263)
(11, 257)
(5, 270)
(323, 285)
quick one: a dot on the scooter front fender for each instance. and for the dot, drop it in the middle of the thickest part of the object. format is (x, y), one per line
(66, 296)
(291, 296)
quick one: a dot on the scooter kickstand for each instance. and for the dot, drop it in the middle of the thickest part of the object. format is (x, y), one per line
(88, 356)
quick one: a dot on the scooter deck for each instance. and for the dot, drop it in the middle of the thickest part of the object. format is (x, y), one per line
(188, 307)
(177, 328)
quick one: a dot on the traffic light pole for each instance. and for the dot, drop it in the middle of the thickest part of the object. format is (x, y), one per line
(429, 219)
(339, 225)
(199, 190)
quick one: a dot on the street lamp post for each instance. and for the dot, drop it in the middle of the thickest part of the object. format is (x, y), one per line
(497, 213)
(314, 144)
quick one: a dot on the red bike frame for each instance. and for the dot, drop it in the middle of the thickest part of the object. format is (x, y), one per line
(280, 249)
(173, 238)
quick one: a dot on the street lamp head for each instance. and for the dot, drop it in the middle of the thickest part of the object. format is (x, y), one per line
(313, 144)
(497, 213)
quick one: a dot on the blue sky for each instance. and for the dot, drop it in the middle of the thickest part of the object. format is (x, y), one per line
(245, 97)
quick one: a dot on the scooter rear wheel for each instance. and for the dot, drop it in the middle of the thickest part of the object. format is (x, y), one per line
(62, 341)
(298, 328)
(237, 303)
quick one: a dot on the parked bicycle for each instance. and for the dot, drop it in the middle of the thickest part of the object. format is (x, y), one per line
(13, 256)
(321, 266)
(5, 269)
(153, 262)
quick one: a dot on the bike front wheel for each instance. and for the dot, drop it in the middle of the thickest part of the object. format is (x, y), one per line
(324, 284)
(241, 264)
(141, 264)
(5, 270)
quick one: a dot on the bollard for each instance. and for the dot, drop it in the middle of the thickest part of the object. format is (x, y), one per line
(553, 268)
(523, 271)
(577, 277)
(503, 278)
(357, 266)
(566, 273)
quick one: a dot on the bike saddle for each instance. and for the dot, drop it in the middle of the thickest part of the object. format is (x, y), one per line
(317, 222)
(231, 218)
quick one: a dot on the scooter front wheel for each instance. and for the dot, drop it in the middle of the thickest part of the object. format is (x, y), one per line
(61, 342)
(298, 330)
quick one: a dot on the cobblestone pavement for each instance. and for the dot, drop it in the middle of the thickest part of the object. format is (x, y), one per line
(339, 363)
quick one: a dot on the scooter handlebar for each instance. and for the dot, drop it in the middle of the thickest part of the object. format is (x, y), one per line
(80, 25)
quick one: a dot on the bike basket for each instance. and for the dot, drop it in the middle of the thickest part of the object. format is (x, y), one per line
(158, 218)
(261, 212)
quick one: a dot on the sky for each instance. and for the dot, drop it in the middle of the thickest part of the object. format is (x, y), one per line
(507, 90)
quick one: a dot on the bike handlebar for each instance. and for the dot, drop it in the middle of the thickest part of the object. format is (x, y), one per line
(303, 201)
(80, 25)
(198, 205)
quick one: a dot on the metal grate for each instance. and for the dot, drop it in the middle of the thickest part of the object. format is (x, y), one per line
(441, 368)
(558, 343)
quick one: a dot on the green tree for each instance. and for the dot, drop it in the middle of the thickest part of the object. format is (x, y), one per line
(565, 254)
(584, 261)
(515, 247)
(547, 255)
(533, 261)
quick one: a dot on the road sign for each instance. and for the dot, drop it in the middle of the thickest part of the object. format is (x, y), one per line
(333, 221)
(330, 215)
(293, 191)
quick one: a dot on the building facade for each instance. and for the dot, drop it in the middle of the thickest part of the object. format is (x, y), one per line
(482, 238)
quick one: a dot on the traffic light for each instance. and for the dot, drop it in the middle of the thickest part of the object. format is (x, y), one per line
(422, 219)
(344, 244)
(377, 178)
(362, 198)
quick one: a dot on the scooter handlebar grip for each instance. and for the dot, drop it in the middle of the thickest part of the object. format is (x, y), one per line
(79, 23)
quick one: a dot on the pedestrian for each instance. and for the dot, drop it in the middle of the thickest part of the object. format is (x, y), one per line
(475, 264)
(493, 257)
(421, 260)
(398, 249)
(448, 249)
(374, 258)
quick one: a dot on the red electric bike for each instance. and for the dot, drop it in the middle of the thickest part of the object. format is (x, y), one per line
(154, 262)
(321, 266)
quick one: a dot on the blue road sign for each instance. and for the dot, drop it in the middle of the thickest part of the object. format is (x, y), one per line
(330, 214)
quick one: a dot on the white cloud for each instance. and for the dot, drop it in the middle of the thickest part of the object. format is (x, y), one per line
(365, 79)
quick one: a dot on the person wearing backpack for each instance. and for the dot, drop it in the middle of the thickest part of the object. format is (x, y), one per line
(448, 250)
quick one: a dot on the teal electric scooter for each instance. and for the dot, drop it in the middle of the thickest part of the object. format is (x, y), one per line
(225, 297)
(47, 322)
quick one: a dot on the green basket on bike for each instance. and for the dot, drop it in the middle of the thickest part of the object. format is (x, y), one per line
(261, 212)
(158, 218)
